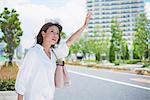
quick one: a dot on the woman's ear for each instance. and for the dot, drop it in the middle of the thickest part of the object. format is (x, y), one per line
(43, 34)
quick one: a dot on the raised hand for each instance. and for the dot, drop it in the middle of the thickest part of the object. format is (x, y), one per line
(88, 16)
(75, 35)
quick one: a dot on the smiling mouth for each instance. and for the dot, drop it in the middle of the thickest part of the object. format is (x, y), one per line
(54, 39)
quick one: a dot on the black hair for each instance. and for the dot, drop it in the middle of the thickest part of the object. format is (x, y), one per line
(44, 28)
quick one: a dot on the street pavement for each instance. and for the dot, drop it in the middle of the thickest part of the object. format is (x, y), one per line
(92, 84)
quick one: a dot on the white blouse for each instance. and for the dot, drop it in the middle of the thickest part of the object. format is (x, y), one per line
(35, 79)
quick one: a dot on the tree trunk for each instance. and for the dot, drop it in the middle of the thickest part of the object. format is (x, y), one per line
(10, 60)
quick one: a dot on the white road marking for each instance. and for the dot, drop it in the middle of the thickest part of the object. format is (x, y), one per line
(110, 71)
(105, 79)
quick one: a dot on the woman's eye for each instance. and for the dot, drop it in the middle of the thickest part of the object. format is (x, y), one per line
(51, 31)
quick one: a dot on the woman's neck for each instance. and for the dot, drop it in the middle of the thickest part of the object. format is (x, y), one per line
(46, 46)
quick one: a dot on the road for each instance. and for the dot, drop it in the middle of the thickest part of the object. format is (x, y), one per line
(91, 84)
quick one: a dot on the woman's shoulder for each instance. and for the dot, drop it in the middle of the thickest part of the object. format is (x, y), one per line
(62, 43)
(61, 50)
(32, 50)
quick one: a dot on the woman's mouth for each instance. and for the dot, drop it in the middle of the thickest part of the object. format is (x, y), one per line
(54, 39)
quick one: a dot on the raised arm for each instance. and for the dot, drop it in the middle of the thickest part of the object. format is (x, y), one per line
(75, 35)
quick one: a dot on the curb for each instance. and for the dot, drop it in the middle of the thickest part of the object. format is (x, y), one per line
(8, 95)
(141, 71)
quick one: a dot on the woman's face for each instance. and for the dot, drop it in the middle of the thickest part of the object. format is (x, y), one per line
(51, 35)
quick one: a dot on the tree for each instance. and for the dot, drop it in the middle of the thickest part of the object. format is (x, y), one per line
(94, 46)
(63, 35)
(104, 46)
(115, 47)
(98, 44)
(93, 43)
(76, 47)
(141, 36)
(11, 29)
(80, 45)
(148, 52)
(124, 50)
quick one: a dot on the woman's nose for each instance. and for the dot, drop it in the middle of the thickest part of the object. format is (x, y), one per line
(55, 33)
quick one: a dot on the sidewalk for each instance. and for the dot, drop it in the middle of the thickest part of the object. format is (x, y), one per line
(8, 95)
(122, 65)
(133, 68)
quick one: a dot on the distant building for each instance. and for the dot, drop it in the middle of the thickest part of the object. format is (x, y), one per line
(125, 11)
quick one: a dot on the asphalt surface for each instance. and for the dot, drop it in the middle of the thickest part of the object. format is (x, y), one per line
(89, 84)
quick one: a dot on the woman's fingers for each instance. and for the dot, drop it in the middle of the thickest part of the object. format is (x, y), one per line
(88, 16)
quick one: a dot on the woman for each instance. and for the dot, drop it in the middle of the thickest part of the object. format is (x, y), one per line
(35, 79)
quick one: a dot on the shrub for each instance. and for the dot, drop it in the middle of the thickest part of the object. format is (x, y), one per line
(89, 60)
(117, 62)
(146, 66)
(134, 61)
(146, 61)
(7, 85)
(8, 75)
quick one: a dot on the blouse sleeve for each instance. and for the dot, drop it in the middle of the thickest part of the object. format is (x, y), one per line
(62, 50)
(24, 72)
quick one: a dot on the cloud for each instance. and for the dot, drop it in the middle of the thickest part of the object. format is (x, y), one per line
(12, 3)
(33, 16)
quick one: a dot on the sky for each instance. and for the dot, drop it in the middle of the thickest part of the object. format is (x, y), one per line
(33, 13)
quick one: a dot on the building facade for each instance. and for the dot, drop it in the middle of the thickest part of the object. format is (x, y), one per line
(125, 11)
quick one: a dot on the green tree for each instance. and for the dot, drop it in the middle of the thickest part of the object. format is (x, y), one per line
(141, 36)
(148, 52)
(98, 43)
(81, 45)
(116, 41)
(84, 45)
(91, 45)
(94, 46)
(10, 27)
(76, 47)
(63, 35)
(94, 43)
(124, 50)
(104, 46)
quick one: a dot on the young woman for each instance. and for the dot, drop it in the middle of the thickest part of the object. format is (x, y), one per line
(35, 79)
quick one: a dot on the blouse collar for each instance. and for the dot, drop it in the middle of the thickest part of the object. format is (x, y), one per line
(40, 46)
